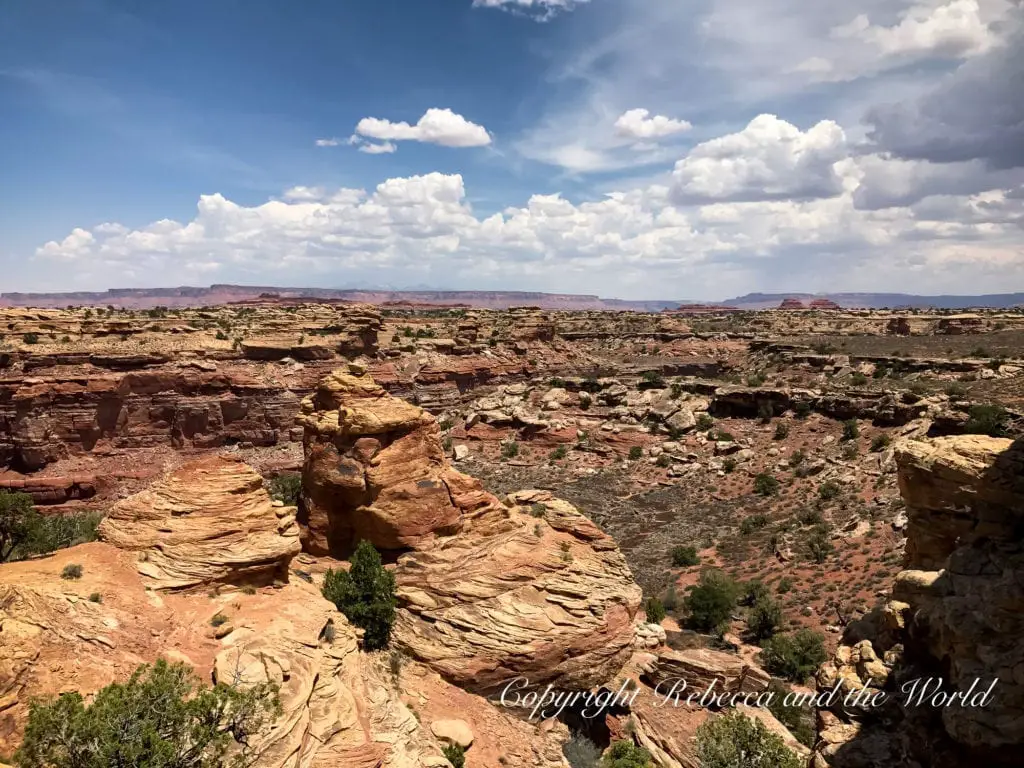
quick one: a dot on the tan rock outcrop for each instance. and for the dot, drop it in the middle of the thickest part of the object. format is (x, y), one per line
(339, 706)
(958, 615)
(530, 589)
(374, 469)
(210, 521)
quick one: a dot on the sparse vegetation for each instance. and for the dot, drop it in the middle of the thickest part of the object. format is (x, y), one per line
(510, 450)
(851, 430)
(828, 490)
(710, 603)
(781, 430)
(581, 752)
(286, 488)
(161, 716)
(71, 571)
(25, 532)
(455, 755)
(635, 453)
(685, 556)
(626, 754)
(880, 442)
(705, 422)
(794, 656)
(655, 610)
(559, 453)
(365, 594)
(753, 523)
(734, 740)
(765, 485)
(986, 420)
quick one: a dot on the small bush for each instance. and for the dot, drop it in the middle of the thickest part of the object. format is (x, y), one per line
(955, 391)
(986, 420)
(559, 453)
(71, 571)
(162, 716)
(30, 338)
(510, 450)
(705, 422)
(802, 409)
(755, 380)
(781, 430)
(794, 656)
(765, 485)
(753, 523)
(286, 488)
(626, 754)
(785, 585)
(729, 465)
(655, 610)
(809, 516)
(635, 453)
(218, 620)
(663, 461)
(456, 755)
(95, 597)
(858, 379)
(880, 442)
(764, 618)
(685, 557)
(710, 604)
(581, 752)
(797, 457)
(221, 336)
(849, 451)
(724, 437)
(798, 719)
(365, 594)
(819, 547)
(734, 740)
(829, 490)
(851, 430)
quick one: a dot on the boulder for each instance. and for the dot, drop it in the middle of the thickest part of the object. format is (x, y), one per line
(455, 732)
(211, 521)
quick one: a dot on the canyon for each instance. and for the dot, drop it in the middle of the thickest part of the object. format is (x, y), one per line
(527, 475)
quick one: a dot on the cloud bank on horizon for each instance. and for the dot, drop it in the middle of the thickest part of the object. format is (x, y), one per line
(658, 151)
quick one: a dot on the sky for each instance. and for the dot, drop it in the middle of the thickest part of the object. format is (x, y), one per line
(658, 149)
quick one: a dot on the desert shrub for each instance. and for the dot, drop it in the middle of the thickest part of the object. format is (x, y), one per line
(559, 453)
(18, 518)
(986, 420)
(979, 352)
(71, 571)
(785, 585)
(510, 450)
(764, 618)
(218, 620)
(829, 490)
(365, 594)
(818, 546)
(781, 430)
(455, 754)
(626, 754)
(684, 557)
(798, 719)
(729, 465)
(849, 451)
(797, 457)
(664, 461)
(655, 610)
(809, 516)
(30, 338)
(635, 452)
(753, 523)
(677, 390)
(705, 422)
(286, 488)
(724, 437)
(581, 752)
(755, 380)
(752, 591)
(95, 597)
(794, 656)
(765, 485)
(710, 604)
(851, 430)
(734, 740)
(955, 391)
(671, 599)
(880, 442)
(162, 716)
(653, 379)
(802, 409)
(24, 532)
(221, 336)
(858, 379)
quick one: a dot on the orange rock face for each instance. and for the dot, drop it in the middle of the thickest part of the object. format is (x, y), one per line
(210, 521)
(374, 469)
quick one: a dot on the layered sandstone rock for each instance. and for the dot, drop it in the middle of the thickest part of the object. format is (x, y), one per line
(374, 469)
(956, 613)
(339, 707)
(529, 589)
(209, 521)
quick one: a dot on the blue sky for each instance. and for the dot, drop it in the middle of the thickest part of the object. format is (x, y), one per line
(632, 148)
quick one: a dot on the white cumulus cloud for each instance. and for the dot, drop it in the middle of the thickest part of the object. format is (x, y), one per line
(327, 142)
(437, 126)
(641, 125)
(770, 159)
(541, 10)
(377, 149)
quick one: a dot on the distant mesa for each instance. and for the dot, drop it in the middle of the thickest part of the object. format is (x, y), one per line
(792, 304)
(824, 304)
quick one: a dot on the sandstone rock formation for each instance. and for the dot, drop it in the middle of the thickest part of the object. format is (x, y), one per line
(957, 613)
(374, 469)
(211, 521)
(529, 589)
(339, 708)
